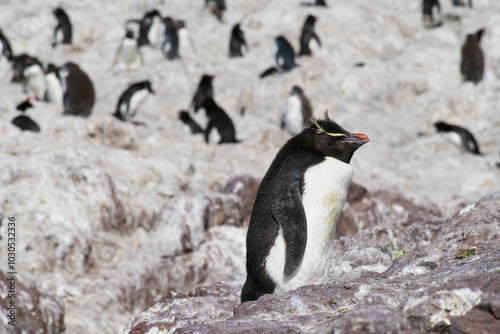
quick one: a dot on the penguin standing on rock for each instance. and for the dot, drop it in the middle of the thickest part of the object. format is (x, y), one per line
(295, 213)
(462, 137)
(204, 91)
(128, 55)
(131, 99)
(5, 49)
(170, 45)
(308, 37)
(219, 120)
(297, 113)
(63, 32)
(237, 42)
(79, 94)
(472, 63)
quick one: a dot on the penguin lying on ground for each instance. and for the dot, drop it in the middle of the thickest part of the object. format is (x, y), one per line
(131, 99)
(191, 123)
(284, 57)
(298, 112)
(295, 213)
(25, 123)
(308, 37)
(472, 63)
(459, 136)
(79, 94)
(219, 120)
(63, 31)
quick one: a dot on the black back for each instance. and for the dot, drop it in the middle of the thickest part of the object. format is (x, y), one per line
(306, 149)
(6, 48)
(307, 34)
(127, 95)
(79, 96)
(285, 56)
(204, 90)
(23, 106)
(63, 25)
(145, 25)
(236, 42)
(171, 40)
(218, 119)
(186, 119)
(469, 143)
(19, 64)
(472, 63)
(428, 6)
(25, 123)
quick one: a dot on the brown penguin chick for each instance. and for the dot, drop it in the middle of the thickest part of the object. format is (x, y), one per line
(79, 95)
(472, 63)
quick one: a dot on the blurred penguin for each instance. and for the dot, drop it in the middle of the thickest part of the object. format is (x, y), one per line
(319, 3)
(54, 92)
(170, 45)
(203, 91)
(63, 31)
(428, 11)
(237, 43)
(284, 57)
(190, 123)
(5, 49)
(186, 45)
(25, 105)
(131, 99)
(218, 120)
(34, 80)
(128, 56)
(79, 94)
(149, 28)
(461, 137)
(461, 3)
(25, 123)
(308, 38)
(472, 62)
(19, 64)
(216, 7)
(298, 112)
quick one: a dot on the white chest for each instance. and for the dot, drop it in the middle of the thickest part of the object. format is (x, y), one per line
(129, 52)
(54, 89)
(136, 100)
(325, 191)
(293, 118)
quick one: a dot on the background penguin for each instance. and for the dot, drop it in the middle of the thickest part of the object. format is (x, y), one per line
(284, 56)
(204, 91)
(170, 45)
(472, 63)
(216, 7)
(5, 49)
(128, 55)
(79, 95)
(218, 119)
(34, 80)
(63, 31)
(25, 123)
(296, 210)
(461, 3)
(460, 136)
(298, 112)
(237, 42)
(54, 92)
(319, 3)
(186, 44)
(131, 99)
(149, 28)
(19, 63)
(23, 106)
(191, 123)
(307, 36)
(428, 10)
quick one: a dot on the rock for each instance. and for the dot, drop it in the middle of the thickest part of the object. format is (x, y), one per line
(428, 289)
(245, 187)
(36, 310)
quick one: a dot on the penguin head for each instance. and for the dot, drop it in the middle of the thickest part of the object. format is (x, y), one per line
(184, 116)
(331, 140)
(311, 19)
(442, 127)
(147, 84)
(296, 90)
(129, 34)
(59, 12)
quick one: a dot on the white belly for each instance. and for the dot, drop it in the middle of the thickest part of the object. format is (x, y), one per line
(34, 84)
(325, 191)
(136, 101)
(128, 56)
(54, 89)
(293, 119)
(185, 45)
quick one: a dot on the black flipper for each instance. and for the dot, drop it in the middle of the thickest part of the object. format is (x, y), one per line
(289, 213)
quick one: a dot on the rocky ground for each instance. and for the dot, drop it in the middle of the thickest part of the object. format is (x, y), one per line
(113, 218)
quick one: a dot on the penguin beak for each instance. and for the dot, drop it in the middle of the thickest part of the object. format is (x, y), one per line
(358, 139)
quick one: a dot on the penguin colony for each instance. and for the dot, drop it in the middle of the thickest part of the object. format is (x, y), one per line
(283, 250)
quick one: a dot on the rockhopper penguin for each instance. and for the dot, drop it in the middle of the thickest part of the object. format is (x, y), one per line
(296, 209)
